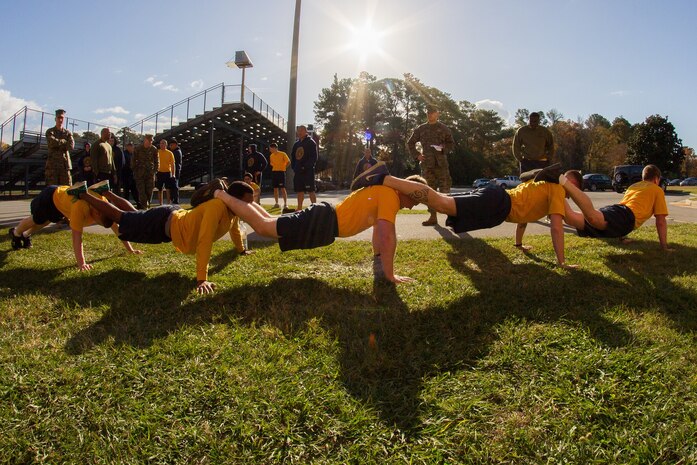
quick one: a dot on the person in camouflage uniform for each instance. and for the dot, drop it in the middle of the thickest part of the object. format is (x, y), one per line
(436, 141)
(145, 164)
(60, 142)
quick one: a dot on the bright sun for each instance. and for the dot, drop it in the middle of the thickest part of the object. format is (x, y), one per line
(366, 41)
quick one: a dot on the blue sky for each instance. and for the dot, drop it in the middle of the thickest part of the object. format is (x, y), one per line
(121, 61)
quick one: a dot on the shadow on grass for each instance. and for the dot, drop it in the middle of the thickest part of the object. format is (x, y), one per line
(408, 346)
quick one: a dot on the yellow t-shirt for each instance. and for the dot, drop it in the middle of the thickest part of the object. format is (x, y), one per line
(645, 199)
(166, 161)
(279, 161)
(361, 210)
(195, 230)
(531, 201)
(79, 212)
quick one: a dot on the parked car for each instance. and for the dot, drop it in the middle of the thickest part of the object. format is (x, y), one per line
(507, 181)
(689, 182)
(481, 182)
(322, 185)
(675, 182)
(596, 182)
(624, 176)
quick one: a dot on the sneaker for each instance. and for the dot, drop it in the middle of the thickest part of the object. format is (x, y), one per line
(430, 222)
(373, 176)
(549, 174)
(76, 189)
(276, 206)
(16, 241)
(206, 192)
(101, 187)
(26, 242)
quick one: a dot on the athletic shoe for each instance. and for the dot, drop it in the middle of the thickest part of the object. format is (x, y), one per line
(276, 206)
(373, 176)
(101, 187)
(549, 174)
(16, 241)
(430, 222)
(26, 242)
(207, 191)
(76, 189)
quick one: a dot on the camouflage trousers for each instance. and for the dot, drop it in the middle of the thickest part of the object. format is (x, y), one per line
(145, 186)
(57, 174)
(438, 178)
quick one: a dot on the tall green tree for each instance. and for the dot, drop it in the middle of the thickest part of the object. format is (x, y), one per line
(656, 142)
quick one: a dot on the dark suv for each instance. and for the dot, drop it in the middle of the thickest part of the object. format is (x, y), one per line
(624, 176)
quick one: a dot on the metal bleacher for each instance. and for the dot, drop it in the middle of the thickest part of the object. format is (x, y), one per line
(212, 128)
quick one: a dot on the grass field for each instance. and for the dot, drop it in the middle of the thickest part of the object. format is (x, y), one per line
(492, 356)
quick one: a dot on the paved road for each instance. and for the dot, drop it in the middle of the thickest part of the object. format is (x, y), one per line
(409, 225)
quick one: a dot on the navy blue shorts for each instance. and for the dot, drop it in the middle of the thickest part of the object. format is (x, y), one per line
(620, 222)
(315, 226)
(480, 209)
(146, 226)
(278, 179)
(163, 181)
(43, 209)
(304, 182)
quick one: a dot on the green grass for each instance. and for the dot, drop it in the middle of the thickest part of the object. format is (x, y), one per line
(492, 356)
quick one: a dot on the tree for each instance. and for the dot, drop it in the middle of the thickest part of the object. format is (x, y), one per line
(554, 116)
(656, 142)
(597, 121)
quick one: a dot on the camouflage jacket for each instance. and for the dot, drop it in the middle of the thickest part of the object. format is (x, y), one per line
(430, 135)
(145, 162)
(60, 142)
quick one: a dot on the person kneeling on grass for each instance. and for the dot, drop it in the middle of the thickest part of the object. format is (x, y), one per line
(57, 203)
(319, 224)
(641, 201)
(489, 206)
(190, 231)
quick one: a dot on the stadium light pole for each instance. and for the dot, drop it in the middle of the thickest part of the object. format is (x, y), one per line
(241, 61)
(293, 88)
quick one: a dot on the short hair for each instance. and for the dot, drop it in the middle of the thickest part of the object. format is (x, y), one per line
(575, 177)
(247, 175)
(650, 172)
(253, 147)
(148, 136)
(432, 109)
(534, 114)
(86, 144)
(162, 140)
(60, 112)
(238, 189)
(417, 178)
(129, 143)
(273, 144)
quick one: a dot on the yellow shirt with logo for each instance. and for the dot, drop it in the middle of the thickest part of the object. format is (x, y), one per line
(645, 199)
(279, 161)
(166, 159)
(79, 212)
(361, 210)
(531, 201)
(195, 230)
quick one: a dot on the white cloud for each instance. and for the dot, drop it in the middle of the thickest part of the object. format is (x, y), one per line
(265, 78)
(119, 110)
(619, 93)
(9, 104)
(113, 121)
(197, 84)
(160, 83)
(139, 116)
(495, 105)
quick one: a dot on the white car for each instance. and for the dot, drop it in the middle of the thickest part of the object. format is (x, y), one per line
(507, 181)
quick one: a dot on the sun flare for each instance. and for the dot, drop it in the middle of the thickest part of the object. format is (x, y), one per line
(366, 41)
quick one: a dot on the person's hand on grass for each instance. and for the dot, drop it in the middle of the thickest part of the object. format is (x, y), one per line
(85, 267)
(247, 252)
(402, 279)
(205, 287)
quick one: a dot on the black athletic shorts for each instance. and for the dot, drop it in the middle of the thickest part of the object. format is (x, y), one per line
(163, 181)
(43, 209)
(620, 222)
(278, 179)
(146, 226)
(304, 182)
(480, 209)
(315, 226)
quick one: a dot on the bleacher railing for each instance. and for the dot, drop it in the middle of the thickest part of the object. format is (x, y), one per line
(202, 102)
(29, 126)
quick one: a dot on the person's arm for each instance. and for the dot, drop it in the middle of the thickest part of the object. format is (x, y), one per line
(519, 233)
(517, 146)
(79, 252)
(386, 244)
(204, 248)
(95, 157)
(549, 146)
(557, 232)
(449, 142)
(51, 140)
(411, 145)
(236, 237)
(662, 230)
(173, 165)
(126, 244)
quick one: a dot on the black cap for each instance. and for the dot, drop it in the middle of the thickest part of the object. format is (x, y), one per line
(431, 108)
(60, 111)
(173, 141)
